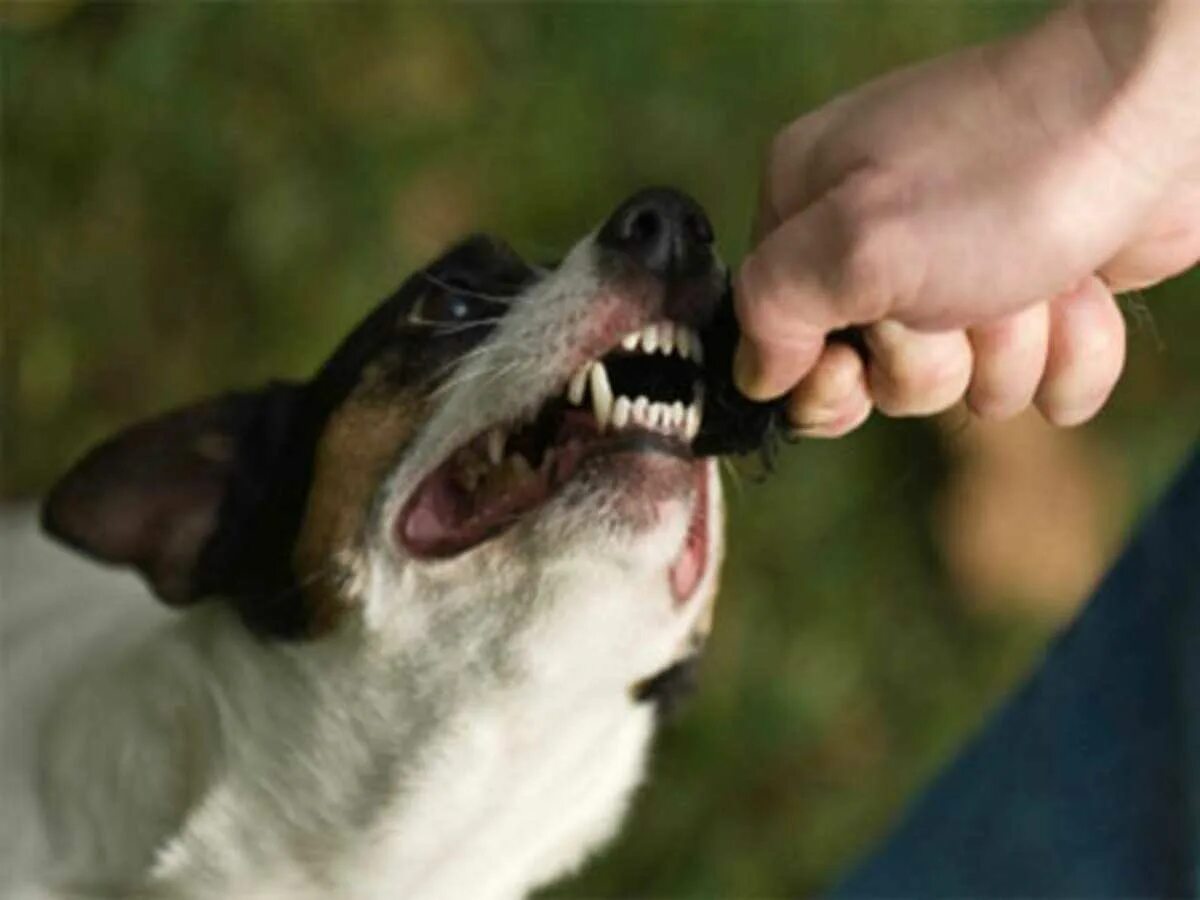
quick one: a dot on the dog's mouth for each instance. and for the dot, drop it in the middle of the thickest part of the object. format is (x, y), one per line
(645, 396)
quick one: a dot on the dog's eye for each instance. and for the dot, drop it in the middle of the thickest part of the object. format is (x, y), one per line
(446, 307)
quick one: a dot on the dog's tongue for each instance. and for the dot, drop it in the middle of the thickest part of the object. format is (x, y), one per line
(442, 519)
(428, 519)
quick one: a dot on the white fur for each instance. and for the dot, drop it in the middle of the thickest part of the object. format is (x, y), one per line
(468, 732)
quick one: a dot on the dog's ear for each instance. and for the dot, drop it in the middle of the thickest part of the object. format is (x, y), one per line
(152, 497)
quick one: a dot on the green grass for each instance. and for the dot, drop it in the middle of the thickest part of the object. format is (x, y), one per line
(200, 196)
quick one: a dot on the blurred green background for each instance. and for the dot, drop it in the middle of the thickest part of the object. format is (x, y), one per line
(198, 196)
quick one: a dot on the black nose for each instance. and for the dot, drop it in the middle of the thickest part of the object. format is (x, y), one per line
(662, 229)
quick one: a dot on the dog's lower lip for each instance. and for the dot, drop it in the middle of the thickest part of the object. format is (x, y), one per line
(689, 567)
(441, 519)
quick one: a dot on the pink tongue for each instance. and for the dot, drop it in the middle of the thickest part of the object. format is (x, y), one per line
(428, 519)
(441, 520)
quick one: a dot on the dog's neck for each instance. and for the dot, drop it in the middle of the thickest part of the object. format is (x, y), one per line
(340, 767)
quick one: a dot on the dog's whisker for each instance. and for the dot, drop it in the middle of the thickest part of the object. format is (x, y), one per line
(506, 299)
(443, 328)
(465, 372)
(485, 377)
(467, 326)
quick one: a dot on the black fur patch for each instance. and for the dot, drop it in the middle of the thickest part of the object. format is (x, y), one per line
(733, 423)
(671, 687)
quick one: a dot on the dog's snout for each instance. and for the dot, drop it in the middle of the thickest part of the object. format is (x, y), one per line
(663, 230)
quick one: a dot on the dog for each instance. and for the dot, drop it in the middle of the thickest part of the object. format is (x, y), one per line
(416, 611)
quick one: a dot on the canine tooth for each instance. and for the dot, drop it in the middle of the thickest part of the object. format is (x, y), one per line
(683, 341)
(578, 385)
(678, 415)
(602, 397)
(691, 426)
(697, 348)
(630, 341)
(638, 413)
(650, 338)
(620, 412)
(666, 338)
(495, 446)
(520, 466)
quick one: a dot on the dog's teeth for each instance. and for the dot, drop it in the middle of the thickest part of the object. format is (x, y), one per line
(495, 446)
(691, 425)
(678, 415)
(697, 348)
(638, 412)
(666, 337)
(520, 466)
(630, 341)
(650, 338)
(683, 341)
(578, 385)
(620, 412)
(602, 397)
(664, 418)
(547, 460)
(654, 416)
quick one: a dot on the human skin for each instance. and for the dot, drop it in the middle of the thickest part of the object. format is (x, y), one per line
(975, 215)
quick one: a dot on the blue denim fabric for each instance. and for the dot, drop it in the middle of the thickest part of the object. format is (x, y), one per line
(1087, 782)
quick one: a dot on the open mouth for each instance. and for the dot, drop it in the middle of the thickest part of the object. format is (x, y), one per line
(644, 396)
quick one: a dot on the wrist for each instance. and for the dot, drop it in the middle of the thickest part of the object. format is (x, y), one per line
(1148, 51)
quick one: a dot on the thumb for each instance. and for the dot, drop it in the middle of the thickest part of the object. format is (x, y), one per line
(805, 279)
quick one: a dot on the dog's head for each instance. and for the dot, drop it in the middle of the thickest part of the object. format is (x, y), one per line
(494, 429)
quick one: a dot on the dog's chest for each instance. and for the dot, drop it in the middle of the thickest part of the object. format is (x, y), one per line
(517, 790)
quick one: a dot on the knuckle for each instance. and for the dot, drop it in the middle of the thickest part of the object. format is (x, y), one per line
(915, 383)
(995, 405)
(873, 239)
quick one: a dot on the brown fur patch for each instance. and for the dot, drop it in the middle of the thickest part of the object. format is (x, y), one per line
(356, 451)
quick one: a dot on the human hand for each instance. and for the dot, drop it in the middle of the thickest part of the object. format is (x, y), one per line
(975, 215)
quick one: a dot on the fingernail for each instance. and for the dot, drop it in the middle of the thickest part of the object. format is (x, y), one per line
(827, 423)
(745, 368)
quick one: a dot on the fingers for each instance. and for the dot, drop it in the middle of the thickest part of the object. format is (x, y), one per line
(833, 398)
(1169, 245)
(1148, 262)
(1009, 357)
(837, 263)
(914, 373)
(783, 309)
(908, 373)
(1064, 356)
(1085, 355)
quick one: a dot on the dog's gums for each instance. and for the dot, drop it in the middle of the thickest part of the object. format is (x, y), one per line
(644, 396)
